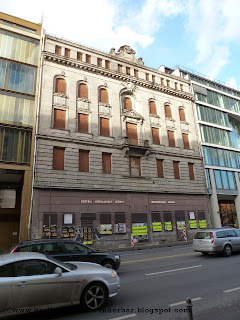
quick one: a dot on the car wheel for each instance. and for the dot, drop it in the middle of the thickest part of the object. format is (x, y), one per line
(205, 253)
(108, 264)
(93, 297)
(227, 251)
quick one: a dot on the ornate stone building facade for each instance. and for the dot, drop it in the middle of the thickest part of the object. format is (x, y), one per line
(117, 150)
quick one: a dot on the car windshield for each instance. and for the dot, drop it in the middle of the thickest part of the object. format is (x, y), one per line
(69, 266)
(203, 235)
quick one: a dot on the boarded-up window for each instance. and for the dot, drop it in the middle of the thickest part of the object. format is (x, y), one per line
(107, 64)
(147, 76)
(103, 95)
(134, 166)
(106, 162)
(139, 217)
(153, 79)
(162, 81)
(132, 133)
(49, 219)
(168, 83)
(88, 58)
(119, 217)
(59, 119)
(99, 62)
(201, 215)
(135, 73)
(83, 123)
(185, 141)
(181, 87)
(61, 86)
(120, 68)
(58, 158)
(104, 127)
(191, 171)
(105, 218)
(153, 107)
(156, 217)
(83, 91)
(83, 160)
(160, 168)
(171, 138)
(176, 85)
(176, 169)
(128, 70)
(127, 103)
(168, 111)
(167, 216)
(79, 56)
(182, 115)
(180, 215)
(58, 50)
(155, 135)
(67, 52)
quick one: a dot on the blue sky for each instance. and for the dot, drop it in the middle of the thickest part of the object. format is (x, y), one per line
(202, 35)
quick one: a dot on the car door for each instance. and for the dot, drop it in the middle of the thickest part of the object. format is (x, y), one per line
(237, 231)
(6, 276)
(77, 252)
(54, 249)
(233, 239)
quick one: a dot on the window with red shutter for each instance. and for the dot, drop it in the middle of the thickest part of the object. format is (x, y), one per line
(153, 79)
(79, 56)
(135, 73)
(83, 160)
(181, 87)
(59, 119)
(58, 158)
(176, 85)
(132, 133)
(67, 52)
(168, 83)
(83, 123)
(171, 138)
(61, 86)
(134, 166)
(185, 141)
(153, 107)
(128, 70)
(160, 168)
(88, 58)
(99, 62)
(155, 135)
(168, 111)
(127, 103)
(106, 162)
(162, 81)
(58, 50)
(104, 127)
(191, 171)
(83, 91)
(107, 64)
(176, 169)
(147, 76)
(103, 95)
(120, 68)
(182, 115)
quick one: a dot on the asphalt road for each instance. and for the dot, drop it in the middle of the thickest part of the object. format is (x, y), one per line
(156, 282)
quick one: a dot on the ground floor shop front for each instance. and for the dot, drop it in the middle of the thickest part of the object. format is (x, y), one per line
(117, 219)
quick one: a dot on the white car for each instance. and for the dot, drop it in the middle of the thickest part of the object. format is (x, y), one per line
(32, 282)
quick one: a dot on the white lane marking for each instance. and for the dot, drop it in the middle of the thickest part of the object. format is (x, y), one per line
(125, 317)
(184, 302)
(129, 254)
(149, 274)
(230, 290)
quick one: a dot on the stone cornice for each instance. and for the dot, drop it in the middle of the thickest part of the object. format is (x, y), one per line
(76, 64)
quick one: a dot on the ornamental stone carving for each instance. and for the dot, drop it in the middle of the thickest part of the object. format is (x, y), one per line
(126, 52)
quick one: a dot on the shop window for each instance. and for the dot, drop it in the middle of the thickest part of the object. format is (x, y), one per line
(107, 64)
(105, 218)
(58, 158)
(153, 107)
(135, 73)
(147, 76)
(168, 222)
(120, 68)
(49, 219)
(83, 91)
(83, 160)
(182, 115)
(191, 171)
(155, 135)
(61, 86)
(153, 79)
(79, 56)
(99, 62)
(180, 215)
(103, 95)
(83, 123)
(134, 166)
(156, 217)
(160, 171)
(128, 70)
(139, 218)
(168, 111)
(88, 58)
(171, 139)
(59, 119)
(104, 127)
(185, 141)
(67, 53)
(127, 103)
(176, 170)
(132, 133)
(120, 218)
(58, 50)
(106, 162)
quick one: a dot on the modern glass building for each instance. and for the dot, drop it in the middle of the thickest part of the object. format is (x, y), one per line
(20, 48)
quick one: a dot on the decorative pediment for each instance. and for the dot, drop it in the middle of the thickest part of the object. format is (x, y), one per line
(132, 114)
(126, 52)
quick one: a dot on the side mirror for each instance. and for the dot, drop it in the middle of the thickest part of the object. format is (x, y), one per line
(58, 271)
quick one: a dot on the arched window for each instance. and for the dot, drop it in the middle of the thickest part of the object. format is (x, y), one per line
(83, 91)
(182, 115)
(103, 95)
(61, 86)
(153, 107)
(127, 103)
(168, 111)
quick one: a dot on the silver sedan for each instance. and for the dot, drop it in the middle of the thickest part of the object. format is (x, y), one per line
(32, 282)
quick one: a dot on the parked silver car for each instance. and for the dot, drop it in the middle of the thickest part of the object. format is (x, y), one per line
(32, 282)
(217, 241)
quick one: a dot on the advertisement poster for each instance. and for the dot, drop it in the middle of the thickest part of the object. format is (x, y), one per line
(46, 232)
(193, 224)
(65, 233)
(139, 231)
(181, 225)
(202, 224)
(168, 226)
(120, 228)
(53, 230)
(105, 229)
(72, 231)
(157, 226)
(49, 233)
(87, 235)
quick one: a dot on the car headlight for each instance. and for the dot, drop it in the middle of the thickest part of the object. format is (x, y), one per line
(114, 274)
(117, 257)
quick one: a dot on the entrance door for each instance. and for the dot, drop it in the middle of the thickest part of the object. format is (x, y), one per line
(9, 233)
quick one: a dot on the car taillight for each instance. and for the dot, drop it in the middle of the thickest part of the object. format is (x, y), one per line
(212, 238)
(14, 249)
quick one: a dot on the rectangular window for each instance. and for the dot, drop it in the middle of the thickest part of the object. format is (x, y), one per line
(59, 119)
(79, 56)
(58, 50)
(83, 123)
(191, 171)
(160, 168)
(153, 79)
(105, 218)
(162, 81)
(88, 58)
(155, 135)
(185, 141)
(120, 218)
(135, 73)
(99, 62)
(104, 127)
(153, 107)
(58, 158)
(171, 138)
(181, 87)
(132, 133)
(176, 85)
(67, 52)
(106, 162)
(168, 111)
(83, 160)
(128, 70)
(168, 83)
(120, 68)
(147, 76)
(134, 166)
(176, 169)
(107, 64)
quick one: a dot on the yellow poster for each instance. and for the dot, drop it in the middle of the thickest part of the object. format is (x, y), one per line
(202, 224)
(157, 226)
(193, 224)
(168, 226)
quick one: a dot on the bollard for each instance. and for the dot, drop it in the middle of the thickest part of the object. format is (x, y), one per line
(189, 307)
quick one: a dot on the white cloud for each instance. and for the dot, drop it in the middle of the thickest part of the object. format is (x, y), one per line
(232, 83)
